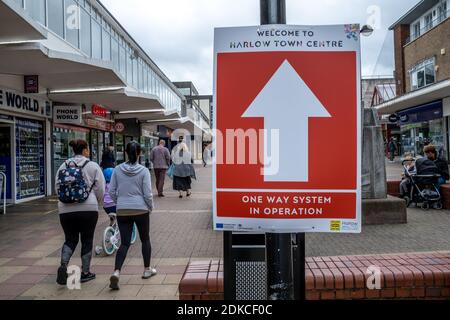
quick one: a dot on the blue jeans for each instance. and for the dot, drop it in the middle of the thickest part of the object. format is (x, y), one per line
(440, 182)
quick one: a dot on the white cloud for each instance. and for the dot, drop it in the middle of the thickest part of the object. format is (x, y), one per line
(178, 34)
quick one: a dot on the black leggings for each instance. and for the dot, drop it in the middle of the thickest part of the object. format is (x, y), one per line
(76, 225)
(126, 229)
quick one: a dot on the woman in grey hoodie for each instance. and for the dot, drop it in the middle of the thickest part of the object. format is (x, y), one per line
(80, 219)
(131, 190)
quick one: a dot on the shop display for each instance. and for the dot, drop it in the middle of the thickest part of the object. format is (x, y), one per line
(30, 155)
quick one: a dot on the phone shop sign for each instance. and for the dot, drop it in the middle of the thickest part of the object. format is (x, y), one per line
(13, 101)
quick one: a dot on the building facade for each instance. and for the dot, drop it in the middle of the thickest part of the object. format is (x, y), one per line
(69, 70)
(422, 74)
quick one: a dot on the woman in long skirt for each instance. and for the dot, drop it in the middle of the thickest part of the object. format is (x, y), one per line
(183, 171)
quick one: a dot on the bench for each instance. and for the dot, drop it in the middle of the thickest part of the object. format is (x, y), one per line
(403, 276)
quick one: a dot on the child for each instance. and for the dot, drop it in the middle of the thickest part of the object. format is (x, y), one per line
(108, 204)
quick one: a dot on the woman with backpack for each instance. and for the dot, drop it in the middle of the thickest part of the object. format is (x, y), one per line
(131, 190)
(80, 185)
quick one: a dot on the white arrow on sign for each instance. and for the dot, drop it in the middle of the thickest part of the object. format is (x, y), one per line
(286, 103)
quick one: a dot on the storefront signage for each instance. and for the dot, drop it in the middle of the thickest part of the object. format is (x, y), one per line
(31, 84)
(274, 116)
(393, 118)
(67, 114)
(13, 101)
(120, 127)
(99, 111)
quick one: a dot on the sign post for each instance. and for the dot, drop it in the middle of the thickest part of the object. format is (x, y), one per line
(288, 136)
(278, 245)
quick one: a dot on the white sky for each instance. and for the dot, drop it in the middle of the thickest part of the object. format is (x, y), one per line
(178, 34)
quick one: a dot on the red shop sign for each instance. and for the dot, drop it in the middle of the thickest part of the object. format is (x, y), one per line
(99, 111)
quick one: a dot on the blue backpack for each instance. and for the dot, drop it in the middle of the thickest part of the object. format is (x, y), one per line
(72, 186)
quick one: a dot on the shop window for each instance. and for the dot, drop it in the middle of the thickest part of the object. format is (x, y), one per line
(56, 16)
(85, 32)
(96, 40)
(423, 74)
(36, 8)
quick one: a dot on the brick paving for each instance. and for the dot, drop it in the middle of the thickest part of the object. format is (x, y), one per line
(181, 231)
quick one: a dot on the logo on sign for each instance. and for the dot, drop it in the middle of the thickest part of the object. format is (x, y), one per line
(393, 118)
(99, 111)
(120, 127)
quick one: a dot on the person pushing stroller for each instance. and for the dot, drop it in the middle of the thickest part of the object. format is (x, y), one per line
(422, 179)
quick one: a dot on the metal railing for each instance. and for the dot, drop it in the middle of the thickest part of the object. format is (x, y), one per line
(3, 190)
(433, 23)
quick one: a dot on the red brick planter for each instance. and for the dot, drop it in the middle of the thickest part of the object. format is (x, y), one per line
(403, 276)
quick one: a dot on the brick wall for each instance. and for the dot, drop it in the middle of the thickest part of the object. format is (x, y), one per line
(427, 46)
(402, 276)
(401, 33)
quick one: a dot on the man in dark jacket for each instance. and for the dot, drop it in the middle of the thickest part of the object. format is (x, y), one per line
(392, 149)
(108, 160)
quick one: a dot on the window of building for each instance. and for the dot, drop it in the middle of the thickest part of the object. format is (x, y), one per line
(106, 45)
(85, 32)
(96, 40)
(423, 74)
(415, 30)
(36, 8)
(115, 53)
(129, 66)
(72, 25)
(123, 61)
(442, 11)
(428, 21)
(56, 16)
(135, 73)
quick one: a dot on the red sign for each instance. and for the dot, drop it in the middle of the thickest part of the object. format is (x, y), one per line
(288, 130)
(99, 111)
(120, 127)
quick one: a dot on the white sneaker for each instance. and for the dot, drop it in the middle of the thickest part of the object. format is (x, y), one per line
(114, 281)
(149, 273)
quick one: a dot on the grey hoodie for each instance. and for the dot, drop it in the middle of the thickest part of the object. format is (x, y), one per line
(131, 187)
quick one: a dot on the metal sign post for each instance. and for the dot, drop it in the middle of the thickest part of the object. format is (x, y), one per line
(280, 284)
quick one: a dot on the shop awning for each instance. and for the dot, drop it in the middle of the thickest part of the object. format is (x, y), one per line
(16, 25)
(185, 123)
(425, 95)
(57, 70)
(116, 100)
(150, 115)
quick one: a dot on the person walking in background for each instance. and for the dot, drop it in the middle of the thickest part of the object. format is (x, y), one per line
(131, 190)
(392, 149)
(108, 204)
(80, 185)
(108, 159)
(183, 171)
(160, 157)
(207, 155)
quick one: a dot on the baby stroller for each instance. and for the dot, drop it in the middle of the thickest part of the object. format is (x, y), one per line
(423, 181)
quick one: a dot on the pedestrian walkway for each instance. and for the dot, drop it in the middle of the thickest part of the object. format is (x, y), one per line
(181, 231)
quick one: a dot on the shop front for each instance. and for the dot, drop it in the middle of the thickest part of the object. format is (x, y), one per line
(24, 147)
(126, 130)
(421, 126)
(93, 124)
